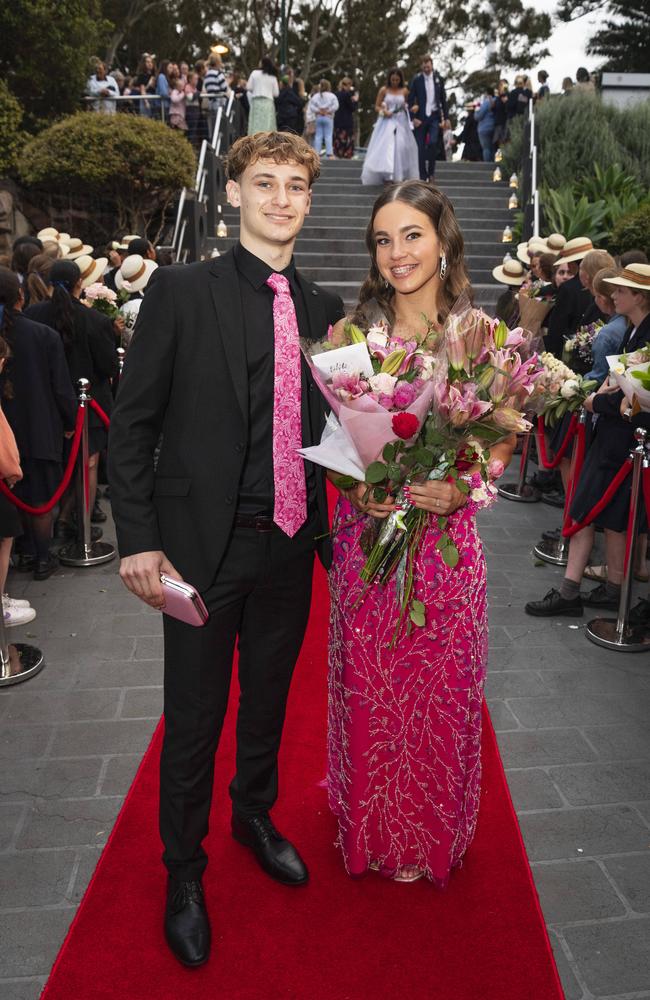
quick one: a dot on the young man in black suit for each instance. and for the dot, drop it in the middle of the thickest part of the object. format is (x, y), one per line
(200, 371)
(427, 101)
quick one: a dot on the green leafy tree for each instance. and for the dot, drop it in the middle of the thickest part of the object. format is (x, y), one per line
(11, 116)
(45, 50)
(623, 39)
(172, 29)
(459, 32)
(137, 164)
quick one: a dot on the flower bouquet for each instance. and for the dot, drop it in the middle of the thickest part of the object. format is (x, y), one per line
(99, 296)
(533, 309)
(632, 373)
(578, 352)
(470, 382)
(559, 389)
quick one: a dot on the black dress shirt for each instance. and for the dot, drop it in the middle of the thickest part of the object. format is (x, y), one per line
(256, 490)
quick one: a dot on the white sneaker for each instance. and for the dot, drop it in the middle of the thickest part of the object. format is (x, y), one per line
(18, 616)
(16, 602)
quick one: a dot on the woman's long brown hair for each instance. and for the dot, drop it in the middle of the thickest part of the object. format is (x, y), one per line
(438, 208)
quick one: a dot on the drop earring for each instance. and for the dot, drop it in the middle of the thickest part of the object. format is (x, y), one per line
(387, 284)
(443, 266)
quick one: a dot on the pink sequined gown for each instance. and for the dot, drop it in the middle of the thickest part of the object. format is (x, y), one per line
(404, 739)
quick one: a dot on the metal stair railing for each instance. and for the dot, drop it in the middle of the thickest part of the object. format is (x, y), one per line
(197, 210)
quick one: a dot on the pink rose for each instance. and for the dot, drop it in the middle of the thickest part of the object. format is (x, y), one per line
(403, 396)
(496, 468)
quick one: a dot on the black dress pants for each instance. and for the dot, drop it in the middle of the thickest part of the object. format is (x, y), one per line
(259, 599)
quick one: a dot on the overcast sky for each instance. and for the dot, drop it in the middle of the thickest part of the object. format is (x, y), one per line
(567, 45)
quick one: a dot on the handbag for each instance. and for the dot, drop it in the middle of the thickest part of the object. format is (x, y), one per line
(9, 457)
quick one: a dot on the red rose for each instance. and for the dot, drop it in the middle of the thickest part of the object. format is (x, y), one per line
(405, 425)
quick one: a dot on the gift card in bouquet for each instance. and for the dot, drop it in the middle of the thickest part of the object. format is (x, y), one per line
(351, 360)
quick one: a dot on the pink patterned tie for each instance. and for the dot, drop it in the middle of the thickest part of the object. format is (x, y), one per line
(290, 509)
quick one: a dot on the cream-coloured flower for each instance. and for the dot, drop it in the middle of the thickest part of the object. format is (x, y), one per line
(383, 383)
(569, 389)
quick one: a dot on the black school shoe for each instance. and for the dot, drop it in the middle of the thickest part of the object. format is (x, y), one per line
(553, 604)
(599, 598)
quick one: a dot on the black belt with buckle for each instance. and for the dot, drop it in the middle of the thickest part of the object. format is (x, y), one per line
(258, 522)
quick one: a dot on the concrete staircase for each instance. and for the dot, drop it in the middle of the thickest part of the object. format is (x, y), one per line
(331, 249)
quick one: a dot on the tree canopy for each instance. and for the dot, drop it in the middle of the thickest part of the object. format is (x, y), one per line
(44, 53)
(623, 39)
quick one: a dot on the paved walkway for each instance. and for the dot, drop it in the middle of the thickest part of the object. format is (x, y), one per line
(573, 725)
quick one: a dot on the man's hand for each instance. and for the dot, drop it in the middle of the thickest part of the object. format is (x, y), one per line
(356, 497)
(417, 122)
(140, 573)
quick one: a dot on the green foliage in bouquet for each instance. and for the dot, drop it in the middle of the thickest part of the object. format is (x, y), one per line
(632, 231)
(11, 116)
(136, 163)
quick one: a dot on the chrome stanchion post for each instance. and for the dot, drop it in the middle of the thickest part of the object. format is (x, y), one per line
(83, 551)
(18, 662)
(617, 633)
(556, 550)
(121, 354)
(521, 491)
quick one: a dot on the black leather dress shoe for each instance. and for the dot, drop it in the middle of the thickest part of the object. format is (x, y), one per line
(554, 498)
(43, 568)
(599, 598)
(553, 605)
(98, 516)
(187, 928)
(276, 856)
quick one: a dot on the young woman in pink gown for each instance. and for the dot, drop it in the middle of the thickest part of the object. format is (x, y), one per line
(404, 768)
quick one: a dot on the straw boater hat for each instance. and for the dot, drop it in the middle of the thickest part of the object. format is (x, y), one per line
(134, 273)
(63, 248)
(511, 272)
(64, 237)
(635, 276)
(91, 270)
(128, 239)
(77, 248)
(555, 242)
(534, 245)
(50, 234)
(574, 250)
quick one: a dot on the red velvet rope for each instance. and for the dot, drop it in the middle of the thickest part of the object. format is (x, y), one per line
(65, 482)
(541, 443)
(103, 416)
(569, 530)
(645, 479)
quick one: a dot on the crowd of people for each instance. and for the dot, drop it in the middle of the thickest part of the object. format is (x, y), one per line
(63, 315)
(188, 97)
(606, 302)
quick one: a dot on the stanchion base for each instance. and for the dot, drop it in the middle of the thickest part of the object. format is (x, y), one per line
(510, 491)
(603, 631)
(78, 554)
(23, 662)
(551, 550)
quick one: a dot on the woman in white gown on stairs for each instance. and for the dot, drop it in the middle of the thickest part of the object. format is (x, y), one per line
(392, 153)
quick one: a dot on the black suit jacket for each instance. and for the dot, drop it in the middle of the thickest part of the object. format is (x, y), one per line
(418, 95)
(616, 435)
(571, 301)
(186, 377)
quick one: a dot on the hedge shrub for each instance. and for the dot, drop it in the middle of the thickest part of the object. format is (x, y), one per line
(632, 232)
(137, 164)
(11, 116)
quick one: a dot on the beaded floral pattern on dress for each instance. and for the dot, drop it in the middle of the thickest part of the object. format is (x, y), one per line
(404, 769)
(290, 507)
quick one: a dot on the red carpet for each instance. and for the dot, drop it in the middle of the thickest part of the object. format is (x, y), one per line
(336, 939)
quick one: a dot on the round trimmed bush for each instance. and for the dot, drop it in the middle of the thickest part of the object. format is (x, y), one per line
(11, 116)
(632, 232)
(137, 164)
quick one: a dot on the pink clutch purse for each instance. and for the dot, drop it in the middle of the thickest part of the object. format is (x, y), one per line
(183, 601)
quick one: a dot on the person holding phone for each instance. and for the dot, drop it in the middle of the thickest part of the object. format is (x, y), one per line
(215, 367)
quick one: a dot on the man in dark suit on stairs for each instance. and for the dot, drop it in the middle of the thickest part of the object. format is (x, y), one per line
(214, 373)
(428, 105)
